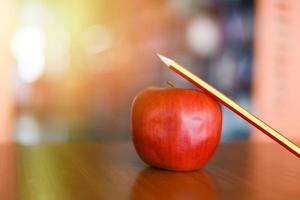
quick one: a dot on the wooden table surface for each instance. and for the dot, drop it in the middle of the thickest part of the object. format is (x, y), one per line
(113, 171)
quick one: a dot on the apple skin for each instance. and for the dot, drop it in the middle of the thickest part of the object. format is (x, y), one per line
(174, 128)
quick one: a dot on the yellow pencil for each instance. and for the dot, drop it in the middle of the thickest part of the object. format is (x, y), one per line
(220, 97)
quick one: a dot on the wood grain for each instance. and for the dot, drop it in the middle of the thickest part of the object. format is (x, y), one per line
(113, 171)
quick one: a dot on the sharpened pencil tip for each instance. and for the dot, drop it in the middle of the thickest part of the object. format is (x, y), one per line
(165, 60)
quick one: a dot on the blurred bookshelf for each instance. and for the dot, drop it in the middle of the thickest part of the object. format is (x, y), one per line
(90, 60)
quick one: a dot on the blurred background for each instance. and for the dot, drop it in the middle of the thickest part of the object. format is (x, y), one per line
(69, 70)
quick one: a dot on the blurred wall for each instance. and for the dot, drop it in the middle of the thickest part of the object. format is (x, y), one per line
(276, 72)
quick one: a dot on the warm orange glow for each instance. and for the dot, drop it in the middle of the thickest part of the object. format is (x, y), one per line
(6, 85)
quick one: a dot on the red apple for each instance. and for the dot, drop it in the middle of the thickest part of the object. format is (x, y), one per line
(175, 129)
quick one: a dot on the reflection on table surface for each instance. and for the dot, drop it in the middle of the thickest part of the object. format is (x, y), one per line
(113, 171)
(152, 183)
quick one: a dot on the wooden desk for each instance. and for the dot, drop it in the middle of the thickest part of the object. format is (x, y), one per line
(113, 171)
